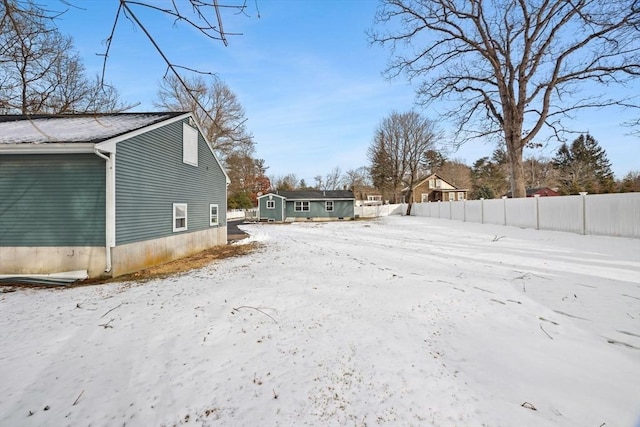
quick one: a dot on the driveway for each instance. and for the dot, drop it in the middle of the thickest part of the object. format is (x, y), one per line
(233, 232)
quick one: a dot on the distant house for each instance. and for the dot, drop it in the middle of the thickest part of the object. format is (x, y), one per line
(368, 196)
(312, 205)
(106, 193)
(435, 189)
(542, 192)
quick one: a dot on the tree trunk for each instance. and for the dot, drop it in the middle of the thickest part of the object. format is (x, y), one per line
(517, 178)
(409, 208)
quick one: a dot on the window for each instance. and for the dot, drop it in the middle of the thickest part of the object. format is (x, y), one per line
(271, 204)
(179, 216)
(328, 205)
(452, 195)
(213, 215)
(460, 195)
(438, 183)
(432, 183)
(424, 197)
(189, 145)
(301, 206)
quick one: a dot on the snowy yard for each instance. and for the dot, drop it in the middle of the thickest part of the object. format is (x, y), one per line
(399, 321)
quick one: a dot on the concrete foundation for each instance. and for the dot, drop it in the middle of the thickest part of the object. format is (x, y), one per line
(124, 259)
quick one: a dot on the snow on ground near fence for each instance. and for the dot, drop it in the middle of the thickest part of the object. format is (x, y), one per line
(395, 321)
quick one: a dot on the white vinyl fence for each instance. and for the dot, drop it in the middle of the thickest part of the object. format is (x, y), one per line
(598, 214)
(379, 210)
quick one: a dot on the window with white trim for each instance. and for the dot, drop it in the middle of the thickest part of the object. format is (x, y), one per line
(213, 215)
(301, 206)
(460, 195)
(189, 145)
(328, 206)
(452, 196)
(271, 204)
(432, 183)
(179, 216)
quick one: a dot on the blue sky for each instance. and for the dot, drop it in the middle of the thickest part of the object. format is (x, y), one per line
(310, 83)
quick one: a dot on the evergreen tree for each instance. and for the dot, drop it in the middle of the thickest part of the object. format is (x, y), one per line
(583, 166)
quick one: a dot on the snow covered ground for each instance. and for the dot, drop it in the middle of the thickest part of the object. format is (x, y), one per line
(398, 321)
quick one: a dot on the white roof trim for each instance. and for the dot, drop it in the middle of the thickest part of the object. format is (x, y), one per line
(48, 148)
(271, 194)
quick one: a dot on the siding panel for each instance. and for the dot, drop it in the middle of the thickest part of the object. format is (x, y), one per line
(52, 200)
(150, 177)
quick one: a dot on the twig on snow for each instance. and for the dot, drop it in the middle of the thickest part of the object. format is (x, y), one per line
(107, 325)
(78, 398)
(528, 406)
(275, 395)
(496, 238)
(111, 310)
(256, 309)
(545, 332)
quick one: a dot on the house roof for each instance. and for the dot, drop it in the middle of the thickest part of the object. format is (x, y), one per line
(543, 191)
(434, 175)
(316, 194)
(76, 128)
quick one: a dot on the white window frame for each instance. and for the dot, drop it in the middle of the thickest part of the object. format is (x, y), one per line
(432, 183)
(271, 204)
(301, 206)
(214, 219)
(452, 196)
(424, 197)
(460, 195)
(176, 217)
(328, 203)
(189, 145)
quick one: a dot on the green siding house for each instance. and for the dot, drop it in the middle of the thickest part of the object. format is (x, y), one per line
(106, 193)
(289, 206)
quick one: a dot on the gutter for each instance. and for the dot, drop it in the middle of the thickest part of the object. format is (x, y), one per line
(109, 206)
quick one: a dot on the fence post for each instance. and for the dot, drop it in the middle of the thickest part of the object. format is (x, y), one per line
(481, 210)
(584, 211)
(537, 197)
(464, 210)
(450, 209)
(504, 208)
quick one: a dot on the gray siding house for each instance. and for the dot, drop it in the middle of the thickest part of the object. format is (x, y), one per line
(106, 193)
(289, 206)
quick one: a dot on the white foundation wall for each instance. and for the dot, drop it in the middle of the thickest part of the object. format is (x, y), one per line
(137, 256)
(124, 259)
(45, 260)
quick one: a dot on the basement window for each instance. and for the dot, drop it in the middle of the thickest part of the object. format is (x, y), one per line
(213, 215)
(179, 217)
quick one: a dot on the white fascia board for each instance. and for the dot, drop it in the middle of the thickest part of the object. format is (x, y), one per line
(48, 148)
(109, 145)
(271, 194)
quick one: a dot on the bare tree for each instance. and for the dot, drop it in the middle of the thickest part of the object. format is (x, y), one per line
(399, 152)
(284, 182)
(332, 181)
(512, 67)
(455, 172)
(39, 70)
(216, 108)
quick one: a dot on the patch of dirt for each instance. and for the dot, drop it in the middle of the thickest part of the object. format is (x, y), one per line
(189, 263)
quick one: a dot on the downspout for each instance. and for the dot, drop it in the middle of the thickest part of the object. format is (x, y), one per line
(109, 206)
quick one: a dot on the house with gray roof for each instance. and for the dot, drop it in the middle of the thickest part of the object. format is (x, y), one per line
(306, 205)
(109, 194)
